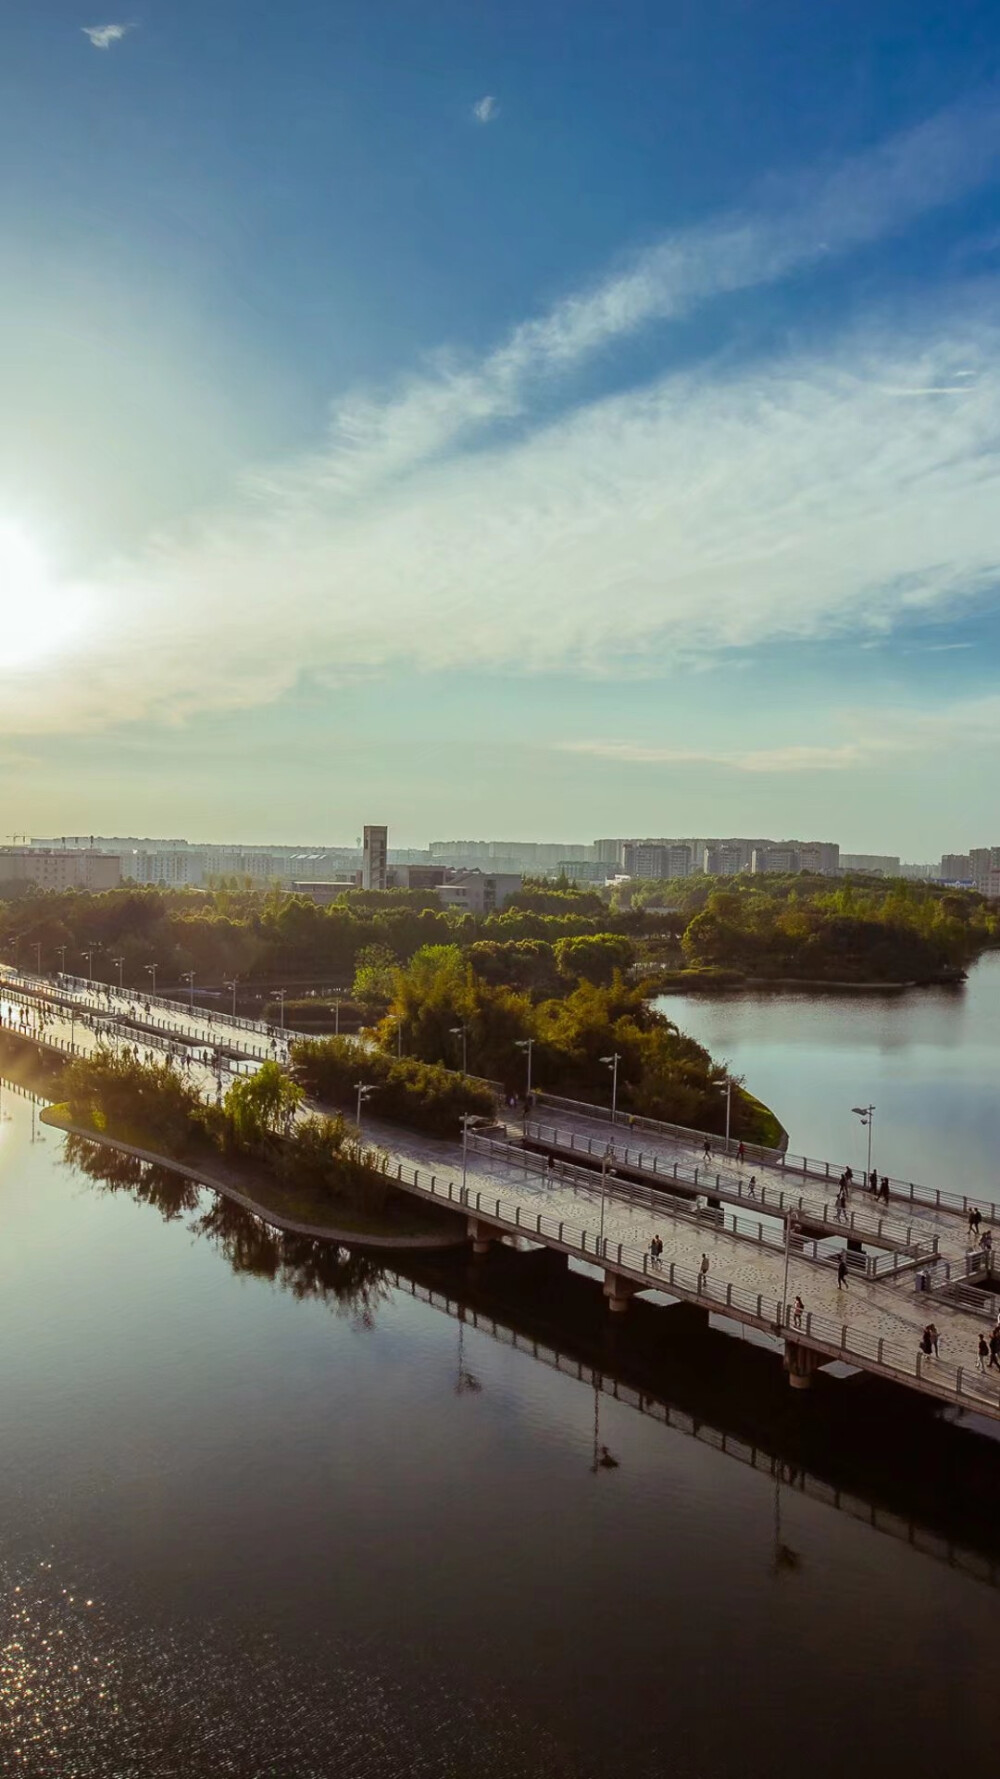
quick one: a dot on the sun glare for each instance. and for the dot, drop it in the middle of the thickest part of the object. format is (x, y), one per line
(36, 615)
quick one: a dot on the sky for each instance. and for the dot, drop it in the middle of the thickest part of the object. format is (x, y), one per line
(532, 421)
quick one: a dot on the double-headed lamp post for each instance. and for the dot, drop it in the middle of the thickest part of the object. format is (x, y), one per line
(279, 995)
(88, 953)
(232, 985)
(150, 970)
(120, 962)
(364, 1089)
(527, 1044)
(867, 1117)
(726, 1087)
(612, 1062)
(188, 977)
(61, 954)
(463, 1031)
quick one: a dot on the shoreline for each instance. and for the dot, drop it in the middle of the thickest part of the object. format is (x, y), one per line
(346, 1238)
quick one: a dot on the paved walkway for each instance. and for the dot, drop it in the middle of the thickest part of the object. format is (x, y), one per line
(644, 1149)
(897, 1315)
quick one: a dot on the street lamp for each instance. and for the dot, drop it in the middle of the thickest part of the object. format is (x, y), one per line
(364, 1089)
(463, 1029)
(188, 977)
(150, 970)
(791, 1222)
(120, 961)
(467, 1118)
(232, 985)
(527, 1044)
(612, 1062)
(38, 956)
(336, 1011)
(867, 1117)
(728, 1086)
(279, 995)
(61, 953)
(606, 1160)
(88, 953)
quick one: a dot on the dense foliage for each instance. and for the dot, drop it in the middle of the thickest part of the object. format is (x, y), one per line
(153, 1106)
(661, 1072)
(811, 929)
(419, 1094)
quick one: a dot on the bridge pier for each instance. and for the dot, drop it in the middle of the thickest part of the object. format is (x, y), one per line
(618, 1290)
(481, 1235)
(801, 1364)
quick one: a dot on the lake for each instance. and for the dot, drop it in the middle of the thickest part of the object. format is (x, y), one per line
(271, 1509)
(928, 1060)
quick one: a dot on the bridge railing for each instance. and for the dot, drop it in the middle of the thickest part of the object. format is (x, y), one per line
(930, 1197)
(778, 1201)
(761, 1232)
(962, 1383)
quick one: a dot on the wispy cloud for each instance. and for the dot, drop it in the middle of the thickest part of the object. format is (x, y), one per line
(103, 36)
(710, 508)
(486, 109)
(805, 758)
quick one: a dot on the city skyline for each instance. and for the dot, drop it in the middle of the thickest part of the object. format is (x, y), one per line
(512, 421)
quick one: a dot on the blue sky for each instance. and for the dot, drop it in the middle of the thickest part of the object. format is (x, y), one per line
(542, 421)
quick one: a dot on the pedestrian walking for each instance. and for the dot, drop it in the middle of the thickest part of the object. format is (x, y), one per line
(703, 1272)
(926, 1344)
(842, 1273)
(984, 1351)
(884, 1189)
(707, 1152)
(995, 1349)
(752, 1186)
(935, 1338)
(975, 1218)
(740, 1152)
(797, 1310)
(873, 1183)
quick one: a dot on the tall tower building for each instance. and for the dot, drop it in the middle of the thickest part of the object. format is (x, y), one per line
(375, 858)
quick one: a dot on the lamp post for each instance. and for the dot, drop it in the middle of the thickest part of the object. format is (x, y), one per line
(455, 1031)
(867, 1117)
(727, 1084)
(188, 977)
(336, 1011)
(527, 1044)
(279, 995)
(232, 985)
(466, 1120)
(606, 1160)
(151, 971)
(364, 1089)
(791, 1222)
(38, 956)
(61, 954)
(120, 961)
(88, 953)
(612, 1062)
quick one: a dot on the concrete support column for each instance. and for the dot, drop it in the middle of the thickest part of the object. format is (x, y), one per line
(618, 1290)
(481, 1235)
(801, 1364)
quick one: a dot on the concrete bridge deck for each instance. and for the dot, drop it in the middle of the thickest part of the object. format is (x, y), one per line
(869, 1325)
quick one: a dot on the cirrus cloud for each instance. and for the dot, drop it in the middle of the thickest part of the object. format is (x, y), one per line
(103, 36)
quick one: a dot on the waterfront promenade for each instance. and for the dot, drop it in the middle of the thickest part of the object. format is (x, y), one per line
(505, 1192)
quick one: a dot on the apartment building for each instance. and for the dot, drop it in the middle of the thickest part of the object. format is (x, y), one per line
(60, 868)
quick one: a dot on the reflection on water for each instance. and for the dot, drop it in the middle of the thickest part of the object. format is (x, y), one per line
(349, 1280)
(466, 1524)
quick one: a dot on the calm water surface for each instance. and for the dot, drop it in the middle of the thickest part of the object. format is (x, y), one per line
(264, 1511)
(929, 1061)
